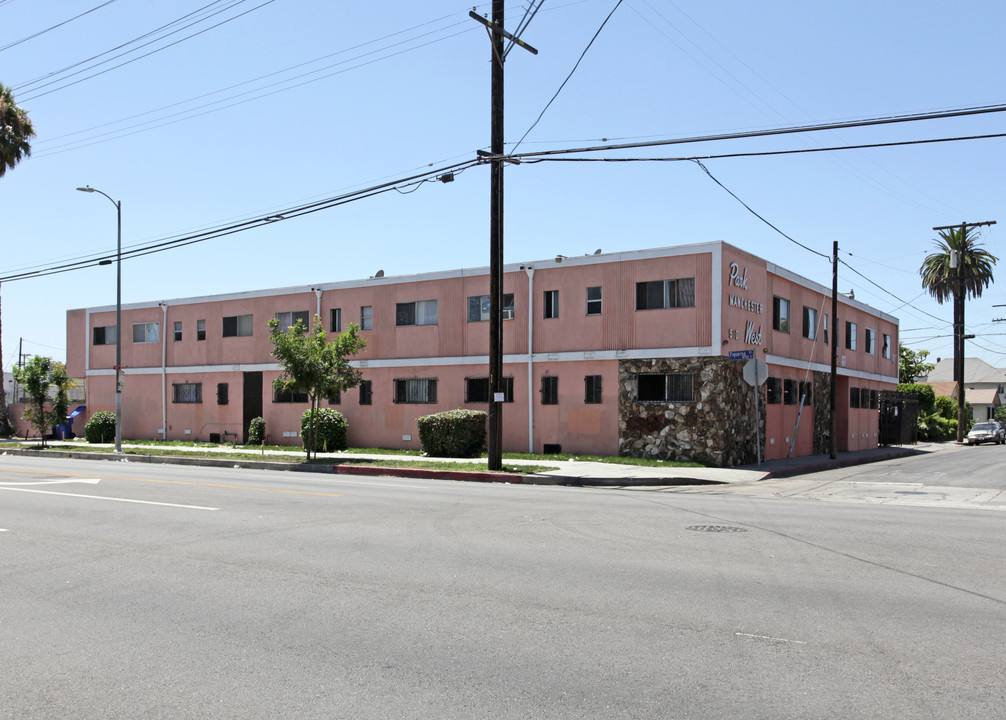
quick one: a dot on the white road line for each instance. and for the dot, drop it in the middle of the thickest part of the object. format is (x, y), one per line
(85, 481)
(113, 499)
(768, 637)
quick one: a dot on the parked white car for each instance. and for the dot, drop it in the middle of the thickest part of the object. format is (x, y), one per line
(986, 432)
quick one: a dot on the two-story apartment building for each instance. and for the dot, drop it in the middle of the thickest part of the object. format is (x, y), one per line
(623, 353)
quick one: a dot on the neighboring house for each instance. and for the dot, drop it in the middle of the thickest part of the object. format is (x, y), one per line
(625, 353)
(984, 385)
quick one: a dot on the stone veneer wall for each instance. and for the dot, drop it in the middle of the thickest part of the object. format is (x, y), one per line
(715, 429)
(822, 413)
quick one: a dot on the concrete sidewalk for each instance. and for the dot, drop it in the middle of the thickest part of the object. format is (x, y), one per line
(567, 472)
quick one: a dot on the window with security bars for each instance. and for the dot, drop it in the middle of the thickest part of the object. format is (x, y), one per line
(807, 393)
(223, 394)
(187, 392)
(145, 332)
(237, 326)
(423, 312)
(773, 391)
(288, 319)
(854, 397)
(672, 387)
(659, 294)
(874, 399)
(289, 396)
(864, 397)
(789, 392)
(416, 391)
(550, 390)
(366, 392)
(592, 389)
(477, 389)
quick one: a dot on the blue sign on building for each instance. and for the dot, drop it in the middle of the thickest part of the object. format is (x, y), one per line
(742, 354)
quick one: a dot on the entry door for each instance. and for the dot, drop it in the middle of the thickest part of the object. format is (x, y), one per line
(252, 395)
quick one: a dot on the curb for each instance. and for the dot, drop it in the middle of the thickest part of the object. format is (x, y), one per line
(808, 468)
(422, 473)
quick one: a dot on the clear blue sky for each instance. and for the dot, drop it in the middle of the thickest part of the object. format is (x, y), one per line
(386, 89)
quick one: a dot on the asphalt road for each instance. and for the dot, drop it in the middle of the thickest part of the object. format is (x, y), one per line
(169, 592)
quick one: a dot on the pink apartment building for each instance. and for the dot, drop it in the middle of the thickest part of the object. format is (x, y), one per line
(622, 353)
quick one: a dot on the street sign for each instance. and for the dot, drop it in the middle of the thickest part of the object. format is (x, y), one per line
(741, 354)
(755, 372)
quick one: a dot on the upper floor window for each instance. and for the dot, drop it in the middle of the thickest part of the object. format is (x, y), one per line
(824, 328)
(367, 317)
(238, 326)
(780, 314)
(886, 347)
(594, 300)
(335, 320)
(288, 319)
(145, 332)
(178, 331)
(673, 387)
(809, 323)
(416, 390)
(478, 307)
(657, 294)
(551, 303)
(105, 335)
(187, 392)
(477, 389)
(423, 312)
(200, 329)
(869, 341)
(850, 335)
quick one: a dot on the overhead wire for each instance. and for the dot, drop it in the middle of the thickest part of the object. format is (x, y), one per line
(25, 39)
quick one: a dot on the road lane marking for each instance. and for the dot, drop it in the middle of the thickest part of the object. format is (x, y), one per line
(769, 637)
(232, 487)
(103, 497)
(86, 481)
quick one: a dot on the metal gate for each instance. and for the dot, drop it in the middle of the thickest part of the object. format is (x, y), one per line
(899, 418)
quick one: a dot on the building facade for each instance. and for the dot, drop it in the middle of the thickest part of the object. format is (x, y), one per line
(624, 353)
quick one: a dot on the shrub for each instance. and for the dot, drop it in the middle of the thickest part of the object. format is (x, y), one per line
(945, 407)
(927, 398)
(330, 427)
(455, 433)
(101, 427)
(256, 431)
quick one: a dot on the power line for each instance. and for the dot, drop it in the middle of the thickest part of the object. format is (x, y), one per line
(8, 46)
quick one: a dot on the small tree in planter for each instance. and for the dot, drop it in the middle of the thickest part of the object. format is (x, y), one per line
(37, 376)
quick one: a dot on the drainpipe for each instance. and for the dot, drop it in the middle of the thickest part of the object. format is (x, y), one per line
(530, 356)
(317, 311)
(164, 371)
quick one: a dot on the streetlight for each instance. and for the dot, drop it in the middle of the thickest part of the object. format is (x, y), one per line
(118, 317)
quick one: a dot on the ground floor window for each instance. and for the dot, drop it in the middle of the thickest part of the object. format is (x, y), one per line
(366, 392)
(592, 389)
(550, 390)
(672, 387)
(187, 392)
(290, 396)
(477, 389)
(416, 390)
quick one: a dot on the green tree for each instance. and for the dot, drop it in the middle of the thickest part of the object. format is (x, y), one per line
(912, 364)
(16, 132)
(37, 376)
(313, 365)
(976, 273)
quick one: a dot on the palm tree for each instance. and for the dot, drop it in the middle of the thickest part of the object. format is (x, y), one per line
(16, 132)
(972, 275)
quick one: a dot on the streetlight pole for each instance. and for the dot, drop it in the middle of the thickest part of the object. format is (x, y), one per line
(118, 316)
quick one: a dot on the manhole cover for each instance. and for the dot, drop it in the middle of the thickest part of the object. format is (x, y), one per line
(715, 528)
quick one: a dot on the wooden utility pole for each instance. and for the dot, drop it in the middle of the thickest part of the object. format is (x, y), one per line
(496, 35)
(833, 391)
(959, 297)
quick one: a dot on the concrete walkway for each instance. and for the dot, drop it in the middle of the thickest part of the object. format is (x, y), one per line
(567, 472)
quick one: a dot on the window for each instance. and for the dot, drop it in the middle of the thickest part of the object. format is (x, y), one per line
(807, 393)
(658, 294)
(421, 391)
(780, 314)
(789, 391)
(886, 348)
(178, 331)
(809, 323)
(238, 326)
(868, 340)
(850, 335)
(678, 387)
(854, 397)
(875, 399)
(144, 332)
(423, 312)
(335, 320)
(367, 318)
(289, 396)
(335, 399)
(187, 392)
(594, 301)
(105, 335)
(477, 389)
(773, 391)
(592, 389)
(288, 319)
(478, 308)
(222, 394)
(200, 329)
(366, 392)
(550, 390)
(824, 326)
(864, 397)
(551, 303)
